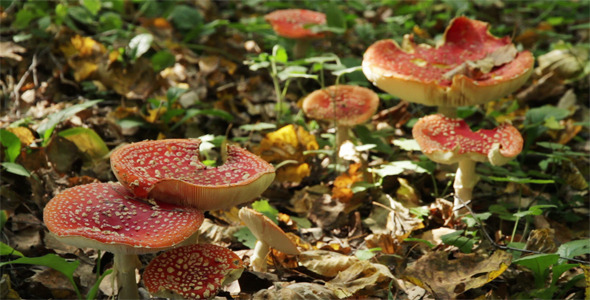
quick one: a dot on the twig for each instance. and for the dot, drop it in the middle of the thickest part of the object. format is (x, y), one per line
(504, 247)
(21, 82)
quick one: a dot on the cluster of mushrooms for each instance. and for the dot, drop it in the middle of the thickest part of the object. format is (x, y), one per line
(158, 205)
(163, 187)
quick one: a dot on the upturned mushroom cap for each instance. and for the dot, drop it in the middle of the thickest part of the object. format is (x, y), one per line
(170, 171)
(445, 140)
(292, 23)
(422, 74)
(265, 230)
(192, 272)
(107, 216)
(349, 104)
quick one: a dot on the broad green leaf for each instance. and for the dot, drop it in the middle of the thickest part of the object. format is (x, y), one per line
(3, 218)
(470, 220)
(185, 18)
(52, 261)
(263, 207)
(397, 167)
(280, 54)
(140, 44)
(109, 21)
(46, 129)
(7, 250)
(80, 14)
(540, 114)
(574, 248)
(162, 60)
(302, 222)
(534, 210)
(245, 236)
(465, 244)
(15, 168)
(12, 144)
(87, 141)
(93, 6)
(502, 212)
(539, 264)
(335, 16)
(173, 93)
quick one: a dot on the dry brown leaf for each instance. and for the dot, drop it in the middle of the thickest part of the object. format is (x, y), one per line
(448, 278)
(342, 190)
(387, 243)
(83, 55)
(542, 240)
(9, 50)
(475, 69)
(362, 275)
(325, 263)
(296, 291)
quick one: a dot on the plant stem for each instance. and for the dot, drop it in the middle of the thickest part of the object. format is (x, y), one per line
(258, 260)
(465, 180)
(124, 267)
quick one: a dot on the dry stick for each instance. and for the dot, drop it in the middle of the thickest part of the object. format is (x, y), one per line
(21, 82)
(504, 247)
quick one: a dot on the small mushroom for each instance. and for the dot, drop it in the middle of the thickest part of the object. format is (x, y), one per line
(446, 141)
(108, 217)
(293, 24)
(171, 171)
(470, 67)
(347, 105)
(192, 272)
(268, 235)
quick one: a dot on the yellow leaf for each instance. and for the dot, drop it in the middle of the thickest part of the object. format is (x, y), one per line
(87, 141)
(24, 134)
(293, 173)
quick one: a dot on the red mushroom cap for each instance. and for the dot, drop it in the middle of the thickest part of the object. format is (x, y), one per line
(193, 272)
(446, 140)
(291, 23)
(107, 216)
(349, 104)
(170, 171)
(416, 73)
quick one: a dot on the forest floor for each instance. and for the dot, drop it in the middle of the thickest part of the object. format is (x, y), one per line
(373, 220)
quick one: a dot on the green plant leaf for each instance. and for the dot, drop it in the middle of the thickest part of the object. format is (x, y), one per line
(258, 126)
(12, 144)
(80, 14)
(245, 236)
(397, 167)
(539, 264)
(7, 250)
(185, 18)
(263, 207)
(465, 244)
(94, 289)
(52, 261)
(93, 6)
(407, 144)
(87, 141)
(162, 60)
(335, 17)
(46, 129)
(140, 44)
(574, 248)
(15, 168)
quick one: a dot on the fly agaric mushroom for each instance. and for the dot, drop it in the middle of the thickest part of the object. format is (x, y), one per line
(170, 171)
(293, 23)
(268, 235)
(108, 217)
(192, 272)
(446, 141)
(470, 67)
(347, 105)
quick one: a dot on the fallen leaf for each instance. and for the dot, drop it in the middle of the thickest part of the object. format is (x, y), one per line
(24, 134)
(325, 263)
(361, 275)
(541, 240)
(295, 291)
(475, 69)
(83, 55)
(448, 278)
(342, 190)
(9, 50)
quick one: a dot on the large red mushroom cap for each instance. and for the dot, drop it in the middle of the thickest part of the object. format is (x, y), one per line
(107, 216)
(446, 140)
(293, 23)
(170, 171)
(432, 76)
(348, 104)
(192, 272)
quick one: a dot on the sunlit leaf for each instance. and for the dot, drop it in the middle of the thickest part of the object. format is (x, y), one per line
(7, 250)
(46, 129)
(539, 264)
(12, 144)
(87, 141)
(15, 168)
(140, 44)
(93, 6)
(162, 60)
(263, 207)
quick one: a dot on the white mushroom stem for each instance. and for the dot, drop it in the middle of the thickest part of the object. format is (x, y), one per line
(258, 260)
(465, 180)
(342, 135)
(125, 265)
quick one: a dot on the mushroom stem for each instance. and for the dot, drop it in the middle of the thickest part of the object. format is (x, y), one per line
(465, 180)
(258, 260)
(124, 267)
(300, 48)
(448, 111)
